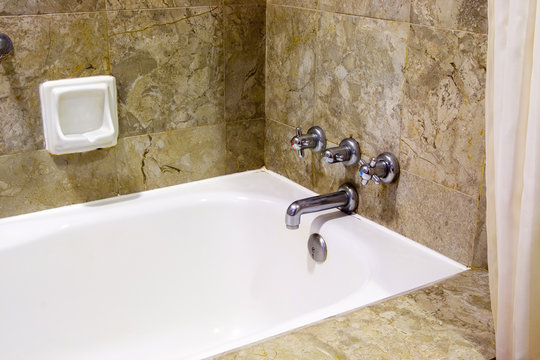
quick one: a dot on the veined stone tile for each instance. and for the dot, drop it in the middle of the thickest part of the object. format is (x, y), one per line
(360, 64)
(440, 218)
(469, 15)
(245, 59)
(47, 47)
(169, 68)
(377, 202)
(35, 180)
(442, 135)
(157, 4)
(290, 65)
(382, 9)
(33, 7)
(90, 175)
(310, 4)
(245, 145)
(169, 158)
(281, 158)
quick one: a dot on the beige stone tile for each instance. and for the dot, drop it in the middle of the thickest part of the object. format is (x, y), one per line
(442, 136)
(157, 4)
(36, 180)
(131, 162)
(360, 64)
(245, 145)
(376, 202)
(46, 47)
(169, 158)
(169, 68)
(33, 7)
(448, 320)
(469, 15)
(290, 65)
(381, 9)
(281, 158)
(310, 4)
(440, 218)
(245, 59)
(90, 175)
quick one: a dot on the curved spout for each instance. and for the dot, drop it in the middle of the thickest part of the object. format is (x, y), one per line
(346, 199)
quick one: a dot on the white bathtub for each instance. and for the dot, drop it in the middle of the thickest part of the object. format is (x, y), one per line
(190, 271)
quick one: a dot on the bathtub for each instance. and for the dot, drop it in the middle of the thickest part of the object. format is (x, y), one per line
(190, 271)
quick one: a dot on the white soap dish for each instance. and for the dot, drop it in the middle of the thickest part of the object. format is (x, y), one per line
(79, 114)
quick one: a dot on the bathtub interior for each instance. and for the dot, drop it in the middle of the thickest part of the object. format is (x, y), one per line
(182, 272)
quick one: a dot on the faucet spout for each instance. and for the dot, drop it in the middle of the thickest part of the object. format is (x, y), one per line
(346, 199)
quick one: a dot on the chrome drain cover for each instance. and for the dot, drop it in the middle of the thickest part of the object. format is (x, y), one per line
(317, 248)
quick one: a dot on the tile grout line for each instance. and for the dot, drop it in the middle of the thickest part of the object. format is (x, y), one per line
(440, 185)
(314, 101)
(380, 19)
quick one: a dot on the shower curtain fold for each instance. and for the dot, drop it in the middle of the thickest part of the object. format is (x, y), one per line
(513, 175)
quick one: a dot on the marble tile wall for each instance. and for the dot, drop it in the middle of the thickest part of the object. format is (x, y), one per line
(404, 76)
(190, 78)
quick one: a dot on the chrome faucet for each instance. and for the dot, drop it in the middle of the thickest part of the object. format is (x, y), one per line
(348, 153)
(315, 139)
(384, 168)
(346, 199)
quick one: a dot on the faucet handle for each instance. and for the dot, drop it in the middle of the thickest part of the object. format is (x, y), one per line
(365, 170)
(374, 177)
(348, 153)
(315, 139)
(384, 168)
(296, 143)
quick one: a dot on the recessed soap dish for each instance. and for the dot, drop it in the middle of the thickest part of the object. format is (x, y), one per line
(79, 114)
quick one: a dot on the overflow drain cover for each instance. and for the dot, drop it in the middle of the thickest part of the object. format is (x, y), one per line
(317, 248)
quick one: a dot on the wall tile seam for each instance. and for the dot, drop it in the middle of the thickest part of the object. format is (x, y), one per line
(108, 50)
(217, 3)
(17, 153)
(105, 12)
(252, 2)
(171, 8)
(473, 198)
(168, 132)
(439, 28)
(211, 7)
(478, 222)
(434, 27)
(13, 17)
(315, 82)
(51, 14)
(120, 137)
(402, 92)
(223, 65)
(116, 10)
(363, 16)
(112, 11)
(244, 5)
(257, 118)
(265, 68)
(280, 123)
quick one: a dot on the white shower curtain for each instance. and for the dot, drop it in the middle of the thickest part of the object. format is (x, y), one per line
(513, 175)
